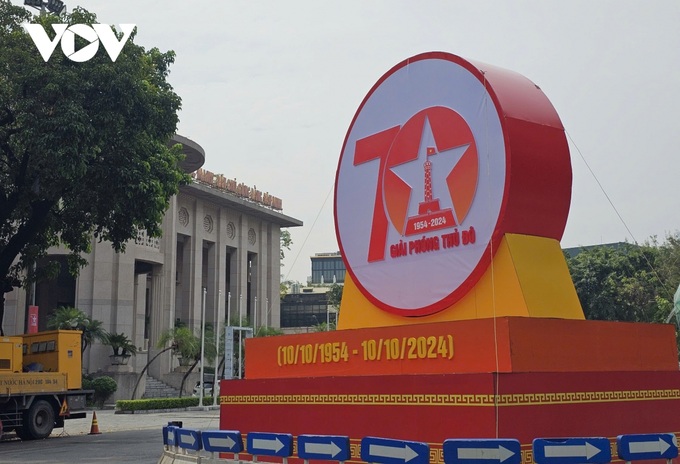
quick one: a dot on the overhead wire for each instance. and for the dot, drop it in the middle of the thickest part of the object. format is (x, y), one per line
(496, 402)
(311, 229)
(618, 214)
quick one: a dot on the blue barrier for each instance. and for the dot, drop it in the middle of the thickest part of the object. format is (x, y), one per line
(270, 444)
(388, 451)
(482, 451)
(583, 450)
(326, 447)
(222, 441)
(170, 436)
(592, 450)
(647, 446)
(188, 439)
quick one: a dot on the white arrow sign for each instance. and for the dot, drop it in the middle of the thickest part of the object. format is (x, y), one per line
(188, 437)
(221, 442)
(329, 449)
(266, 444)
(652, 446)
(572, 451)
(498, 454)
(395, 452)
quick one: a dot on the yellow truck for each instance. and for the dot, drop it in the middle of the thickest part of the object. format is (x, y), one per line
(40, 382)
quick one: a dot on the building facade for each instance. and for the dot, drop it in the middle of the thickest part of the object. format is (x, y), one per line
(328, 268)
(307, 308)
(219, 255)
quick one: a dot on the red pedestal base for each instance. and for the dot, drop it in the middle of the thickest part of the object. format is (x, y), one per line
(432, 408)
(551, 378)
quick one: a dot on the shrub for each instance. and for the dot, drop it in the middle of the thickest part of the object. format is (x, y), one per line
(158, 403)
(103, 387)
(120, 344)
(87, 383)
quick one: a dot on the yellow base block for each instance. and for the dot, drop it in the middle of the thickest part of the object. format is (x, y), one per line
(528, 276)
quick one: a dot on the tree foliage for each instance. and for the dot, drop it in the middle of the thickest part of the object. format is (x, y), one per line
(120, 344)
(83, 146)
(70, 318)
(627, 282)
(334, 296)
(183, 343)
(286, 242)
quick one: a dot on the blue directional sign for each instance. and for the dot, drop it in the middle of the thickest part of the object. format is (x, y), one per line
(222, 441)
(388, 451)
(572, 450)
(188, 439)
(647, 446)
(169, 437)
(492, 451)
(328, 447)
(270, 444)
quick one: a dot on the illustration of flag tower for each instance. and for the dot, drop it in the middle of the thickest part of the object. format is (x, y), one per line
(429, 204)
(430, 216)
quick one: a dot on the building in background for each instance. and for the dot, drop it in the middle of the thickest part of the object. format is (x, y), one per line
(221, 242)
(328, 268)
(307, 308)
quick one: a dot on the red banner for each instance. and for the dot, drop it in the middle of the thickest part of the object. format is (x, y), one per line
(32, 319)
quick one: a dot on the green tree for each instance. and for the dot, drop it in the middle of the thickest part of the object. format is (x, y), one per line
(83, 146)
(184, 343)
(668, 263)
(334, 296)
(70, 318)
(621, 283)
(333, 300)
(120, 344)
(286, 242)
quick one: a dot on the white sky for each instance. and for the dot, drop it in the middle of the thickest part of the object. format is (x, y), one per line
(269, 89)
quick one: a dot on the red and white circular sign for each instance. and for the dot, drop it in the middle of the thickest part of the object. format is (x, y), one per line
(422, 185)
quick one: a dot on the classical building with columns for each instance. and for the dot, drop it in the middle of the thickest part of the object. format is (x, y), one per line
(221, 242)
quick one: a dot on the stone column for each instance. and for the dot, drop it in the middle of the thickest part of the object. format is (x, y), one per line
(274, 275)
(139, 309)
(241, 298)
(157, 301)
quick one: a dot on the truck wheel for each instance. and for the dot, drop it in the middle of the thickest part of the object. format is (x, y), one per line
(39, 420)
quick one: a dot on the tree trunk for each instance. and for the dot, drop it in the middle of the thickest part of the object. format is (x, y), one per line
(145, 368)
(181, 388)
(220, 366)
(15, 245)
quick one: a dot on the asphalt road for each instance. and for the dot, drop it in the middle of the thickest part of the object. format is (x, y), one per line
(124, 438)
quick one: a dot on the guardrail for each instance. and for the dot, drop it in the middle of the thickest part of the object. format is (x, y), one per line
(180, 442)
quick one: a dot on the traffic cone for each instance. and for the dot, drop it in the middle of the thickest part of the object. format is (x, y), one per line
(94, 429)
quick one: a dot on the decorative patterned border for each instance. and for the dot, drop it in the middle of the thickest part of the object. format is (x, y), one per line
(448, 400)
